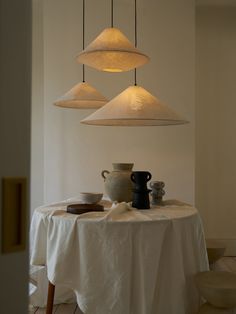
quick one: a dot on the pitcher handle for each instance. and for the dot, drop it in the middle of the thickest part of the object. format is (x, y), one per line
(132, 177)
(103, 174)
(149, 176)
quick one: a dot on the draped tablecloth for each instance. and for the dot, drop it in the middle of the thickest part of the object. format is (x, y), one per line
(123, 261)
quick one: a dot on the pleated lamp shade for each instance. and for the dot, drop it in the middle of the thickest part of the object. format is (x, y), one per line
(135, 106)
(111, 51)
(82, 96)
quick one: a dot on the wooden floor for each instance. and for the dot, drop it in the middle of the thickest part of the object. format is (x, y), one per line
(225, 263)
(58, 309)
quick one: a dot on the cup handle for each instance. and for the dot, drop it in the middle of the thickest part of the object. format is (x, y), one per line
(103, 174)
(149, 176)
(132, 177)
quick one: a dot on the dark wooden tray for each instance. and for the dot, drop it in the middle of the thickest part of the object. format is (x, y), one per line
(84, 208)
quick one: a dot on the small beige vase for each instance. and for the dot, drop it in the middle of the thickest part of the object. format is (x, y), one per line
(118, 185)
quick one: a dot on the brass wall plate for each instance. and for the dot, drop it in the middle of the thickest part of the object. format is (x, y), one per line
(14, 214)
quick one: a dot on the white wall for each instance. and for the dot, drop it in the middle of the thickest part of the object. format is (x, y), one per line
(215, 122)
(15, 92)
(74, 154)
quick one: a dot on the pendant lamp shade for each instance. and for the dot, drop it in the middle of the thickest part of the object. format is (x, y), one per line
(111, 51)
(135, 106)
(82, 96)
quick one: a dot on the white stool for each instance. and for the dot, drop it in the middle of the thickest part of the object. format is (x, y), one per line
(219, 290)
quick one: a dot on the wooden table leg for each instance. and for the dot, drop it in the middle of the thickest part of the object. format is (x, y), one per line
(51, 290)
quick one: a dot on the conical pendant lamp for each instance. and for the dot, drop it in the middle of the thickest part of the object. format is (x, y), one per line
(82, 95)
(111, 51)
(135, 106)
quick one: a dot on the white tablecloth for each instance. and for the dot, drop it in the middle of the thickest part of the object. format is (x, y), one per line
(123, 262)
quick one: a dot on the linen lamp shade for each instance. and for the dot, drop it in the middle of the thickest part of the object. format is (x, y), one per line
(135, 106)
(82, 96)
(111, 51)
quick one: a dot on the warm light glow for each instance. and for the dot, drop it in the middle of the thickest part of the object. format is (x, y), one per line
(135, 106)
(112, 51)
(111, 70)
(82, 96)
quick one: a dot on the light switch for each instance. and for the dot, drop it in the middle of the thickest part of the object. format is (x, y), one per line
(14, 214)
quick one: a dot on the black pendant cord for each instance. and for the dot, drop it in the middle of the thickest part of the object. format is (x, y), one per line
(83, 19)
(135, 37)
(83, 74)
(112, 11)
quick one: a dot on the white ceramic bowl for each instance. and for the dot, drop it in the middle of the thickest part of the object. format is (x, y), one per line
(90, 198)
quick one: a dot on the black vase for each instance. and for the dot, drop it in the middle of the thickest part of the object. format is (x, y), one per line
(140, 191)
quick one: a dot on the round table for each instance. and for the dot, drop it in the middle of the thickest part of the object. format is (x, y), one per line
(123, 260)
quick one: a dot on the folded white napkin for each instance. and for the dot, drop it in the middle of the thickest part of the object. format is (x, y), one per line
(118, 209)
(121, 207)
(124, 211)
